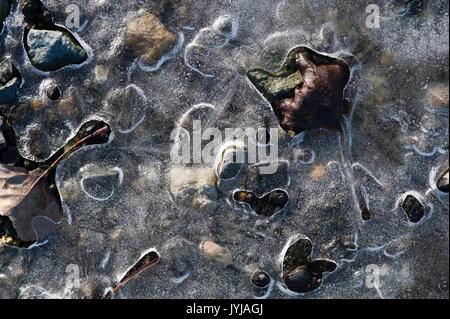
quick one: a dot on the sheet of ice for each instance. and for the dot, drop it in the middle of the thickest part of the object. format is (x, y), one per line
(393, 145)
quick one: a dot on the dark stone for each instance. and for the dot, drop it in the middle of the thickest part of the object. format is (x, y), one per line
(8, 71)
(10, 80)
(10, 156)
(366, 214)
(280, 84)
(300, 279)
(300, 273)
(442, 183)
(267, 205)
(4, 11)
(298, 254)
(414, 7)
(50, 50)
(36, 14)
(49, 47)
(260, 279)
(413, 208)
(53, 93)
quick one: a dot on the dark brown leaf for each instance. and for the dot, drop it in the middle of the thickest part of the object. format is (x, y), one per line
(33, 210)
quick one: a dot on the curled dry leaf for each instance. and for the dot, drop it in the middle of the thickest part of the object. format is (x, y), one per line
(31, 207)
(307, 92)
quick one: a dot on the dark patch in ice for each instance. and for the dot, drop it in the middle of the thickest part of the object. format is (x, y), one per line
(267, 205)
(413, 208)
(87, 129)
(7, 231)
(260, 279)
(307, 92)
(407, 7)
(10, 80)
(8, 71)
(300, 273)
(366, 214)
(53, 93)
(5, 8)
(145, 261)
(36, 14)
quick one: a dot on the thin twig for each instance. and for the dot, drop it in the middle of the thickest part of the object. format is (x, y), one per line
(151, 262)
(99, 131)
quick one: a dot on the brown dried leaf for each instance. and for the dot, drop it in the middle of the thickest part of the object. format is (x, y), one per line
(34, 212)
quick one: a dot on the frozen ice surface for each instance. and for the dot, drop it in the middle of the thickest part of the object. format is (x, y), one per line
(117, 197)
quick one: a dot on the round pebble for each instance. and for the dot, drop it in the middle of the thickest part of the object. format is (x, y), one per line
(260, 279)
(217, 252)
(53, 93)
